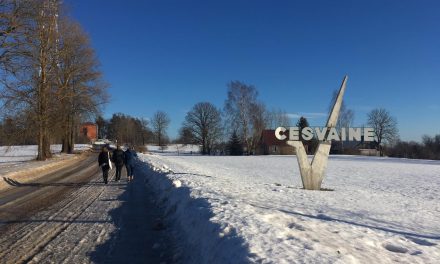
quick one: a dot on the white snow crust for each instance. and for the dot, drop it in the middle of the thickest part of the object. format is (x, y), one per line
(253, 209)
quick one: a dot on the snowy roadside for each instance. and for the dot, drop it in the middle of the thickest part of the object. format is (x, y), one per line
(19, 154)
(17, 163)
(251, 209)
(173, 149)
(201, 240)
(73, 217)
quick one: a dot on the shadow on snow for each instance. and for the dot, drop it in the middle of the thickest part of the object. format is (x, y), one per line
(198, 238)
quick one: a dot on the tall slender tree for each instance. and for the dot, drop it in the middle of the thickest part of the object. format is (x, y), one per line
(160, 123)
(244, 113)
(80, 89)
(47, 69)
(276, 118)
(346, 117)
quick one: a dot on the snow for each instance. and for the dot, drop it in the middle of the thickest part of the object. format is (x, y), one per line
(82, 221)
(175, 149)
(252, 209)
(13, 154)
(18, 163)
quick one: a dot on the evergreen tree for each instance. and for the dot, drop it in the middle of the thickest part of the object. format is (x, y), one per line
(311, 145)
(302, 123)
(235, 147)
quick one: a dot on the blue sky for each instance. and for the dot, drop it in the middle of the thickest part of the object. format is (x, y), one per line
(169, 55)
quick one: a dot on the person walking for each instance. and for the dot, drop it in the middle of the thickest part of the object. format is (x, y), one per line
(118, 158)
(129, 163)
(104, 163)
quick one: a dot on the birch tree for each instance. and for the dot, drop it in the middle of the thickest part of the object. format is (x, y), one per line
(240, 107)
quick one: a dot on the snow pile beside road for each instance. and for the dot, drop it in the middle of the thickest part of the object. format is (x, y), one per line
(201, 240)
(18, 165)
(252, 208)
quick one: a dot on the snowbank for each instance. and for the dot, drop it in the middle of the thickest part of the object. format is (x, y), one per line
(252, 209)
(175, 149)
(201, 240)
(18, 165)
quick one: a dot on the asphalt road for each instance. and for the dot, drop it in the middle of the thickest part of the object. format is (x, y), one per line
(70, 216)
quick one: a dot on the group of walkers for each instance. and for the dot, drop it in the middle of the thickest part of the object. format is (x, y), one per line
(119, 158)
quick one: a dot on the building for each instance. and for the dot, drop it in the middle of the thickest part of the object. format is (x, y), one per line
(90, 131)
(369, 152)
(354, 147)
(270, 145)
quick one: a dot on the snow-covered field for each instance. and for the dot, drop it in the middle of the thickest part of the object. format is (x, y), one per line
(175, 149)
(252, 209)
(13, 154)
(17, 162)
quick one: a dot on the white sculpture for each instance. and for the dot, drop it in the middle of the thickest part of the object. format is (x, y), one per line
(312, 173)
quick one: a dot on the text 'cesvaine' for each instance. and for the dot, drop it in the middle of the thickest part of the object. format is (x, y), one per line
(326, 133)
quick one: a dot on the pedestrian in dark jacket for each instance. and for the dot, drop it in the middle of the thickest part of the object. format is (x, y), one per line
(118, 158)
(104, 163)
(129, 163)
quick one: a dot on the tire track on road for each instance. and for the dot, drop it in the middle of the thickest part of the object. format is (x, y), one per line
(29, 236)
(18, 220)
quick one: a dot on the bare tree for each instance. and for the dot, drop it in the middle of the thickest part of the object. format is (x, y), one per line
(204, 122)
(258, 119)
(346, 117)
(385, 127)
(276, 118)
(48, 69)
(144, 131)
(186, 136)
(29, 78)
(80, 90)
(102, 127)
(15, 21)
(239, 109)
(17, 130)
(160, 123)
(429, 148)
(127, 129)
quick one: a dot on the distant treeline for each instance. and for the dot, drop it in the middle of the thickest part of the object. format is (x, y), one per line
(428, 149)
(20, 130)
(125, 129)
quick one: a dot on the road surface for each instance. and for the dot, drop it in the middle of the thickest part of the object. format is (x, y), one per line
(70, 216)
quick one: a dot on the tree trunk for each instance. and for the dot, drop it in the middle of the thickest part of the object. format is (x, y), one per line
(71, 141)
(66, 135)
(40, 155)
(203, 146)
(46, 144)
(64, 144)
(43, 137)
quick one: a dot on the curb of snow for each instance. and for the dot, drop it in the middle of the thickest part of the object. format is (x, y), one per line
(30, 174)
(199, 239)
